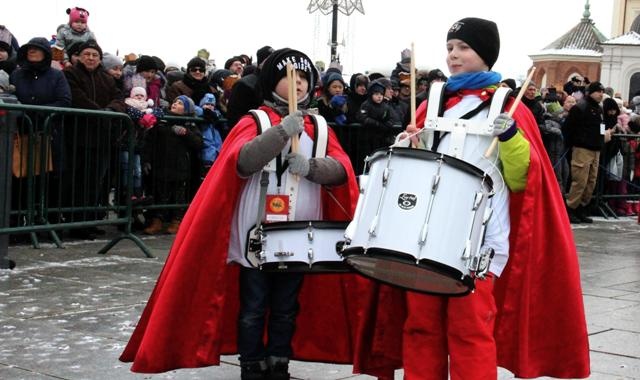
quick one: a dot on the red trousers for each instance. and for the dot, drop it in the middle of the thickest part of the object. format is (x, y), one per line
(453, 332)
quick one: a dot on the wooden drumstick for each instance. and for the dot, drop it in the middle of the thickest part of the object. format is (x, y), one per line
(293, 102)
(413, 86)
(494, 142)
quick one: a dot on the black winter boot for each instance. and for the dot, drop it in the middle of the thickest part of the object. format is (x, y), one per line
(583, 214)
(573, 216)
(255, 370)
(278, 368)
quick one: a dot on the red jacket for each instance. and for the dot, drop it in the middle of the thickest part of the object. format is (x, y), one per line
(190, 319)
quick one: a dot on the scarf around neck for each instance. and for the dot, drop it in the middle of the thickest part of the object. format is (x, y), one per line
(472, 81)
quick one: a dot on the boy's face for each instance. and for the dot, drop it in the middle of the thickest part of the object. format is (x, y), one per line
(177, 107)
(149, 75)
(4, 55)
(115, 72)
(361, 89)
(79, 26)
(302, 86)
(336, 88)
(377, 97)
(388, 92)
(461, 58)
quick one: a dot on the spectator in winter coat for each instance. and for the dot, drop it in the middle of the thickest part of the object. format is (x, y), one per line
(244, 94)
(194, 84)
(583, 126)
(35, 81)
(8, 47)
(145, 73)
(374, 112)
(357, 95)
(113, 65)
(168, 153)
(332, 104)
(92, 88)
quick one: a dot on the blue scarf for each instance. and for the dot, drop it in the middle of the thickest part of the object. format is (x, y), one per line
(472, 81)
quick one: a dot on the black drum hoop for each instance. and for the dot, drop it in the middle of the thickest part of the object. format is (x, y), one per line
(404, 258)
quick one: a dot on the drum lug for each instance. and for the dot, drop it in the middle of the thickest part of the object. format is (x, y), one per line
(479, 265)
(310, 256)
(477, 201)
(310, 232)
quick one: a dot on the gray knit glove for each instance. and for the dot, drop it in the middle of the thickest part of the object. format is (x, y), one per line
(293, 124)
(298, 164)
(504, 127)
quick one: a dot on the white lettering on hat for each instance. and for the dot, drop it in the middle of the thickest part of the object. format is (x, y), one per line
(456, 27)
(298, 63)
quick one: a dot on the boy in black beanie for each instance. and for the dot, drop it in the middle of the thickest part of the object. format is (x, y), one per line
(516, 317)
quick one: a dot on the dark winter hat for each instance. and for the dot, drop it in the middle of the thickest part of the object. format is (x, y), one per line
(436, 74)
(511, 83)
(482, 35)
(263, 53)
(332, 77)
(36, 42)
(374, 87)
(189, 105)
(73, 49)
(91, 44)
(196, 62)
(274, 68)
(358, 79)
(159, 63)
(374, 76)
(217, 77)
(595, 87)
(231, 60)
(145, 63)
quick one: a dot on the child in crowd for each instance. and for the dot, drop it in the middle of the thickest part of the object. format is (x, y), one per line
(144, 115)
(75, 31)
(211, 138)
(168, 152)
(374, 111)
(145, 74)
(113, 65)
(332, 105)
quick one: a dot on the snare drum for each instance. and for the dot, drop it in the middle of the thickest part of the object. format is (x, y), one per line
(300, 246)
(420, 221)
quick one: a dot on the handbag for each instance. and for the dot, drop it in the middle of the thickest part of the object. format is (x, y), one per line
(20, 158)
(615, 167)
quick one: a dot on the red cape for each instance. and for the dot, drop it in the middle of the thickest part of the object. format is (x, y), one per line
(191, 316)
(540, 327)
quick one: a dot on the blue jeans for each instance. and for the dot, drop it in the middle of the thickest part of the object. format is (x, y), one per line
(137, 171)
(261, 292)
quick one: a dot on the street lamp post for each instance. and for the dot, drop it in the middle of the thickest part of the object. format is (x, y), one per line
(345, 7)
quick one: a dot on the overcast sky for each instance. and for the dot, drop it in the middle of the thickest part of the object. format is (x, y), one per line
(175, 31)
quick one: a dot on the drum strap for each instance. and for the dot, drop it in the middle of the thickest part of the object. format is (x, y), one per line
(319, 150)
(438, 136)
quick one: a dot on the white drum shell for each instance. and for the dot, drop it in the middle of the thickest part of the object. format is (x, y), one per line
(453, 225)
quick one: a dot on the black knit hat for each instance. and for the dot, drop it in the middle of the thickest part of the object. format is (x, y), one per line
(145, 63)
(481, 35)
(274, 68)
(263, 53)
(196, 62)
(595, 87)
(90, 44)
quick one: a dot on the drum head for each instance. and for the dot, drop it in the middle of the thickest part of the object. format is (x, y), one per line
(399, 269)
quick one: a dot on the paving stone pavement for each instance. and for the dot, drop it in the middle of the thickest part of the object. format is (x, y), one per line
(67, 313)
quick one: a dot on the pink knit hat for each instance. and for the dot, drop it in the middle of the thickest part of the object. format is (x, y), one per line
(77, 14)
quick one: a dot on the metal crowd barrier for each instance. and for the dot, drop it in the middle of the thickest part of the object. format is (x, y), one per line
(604, 194)
(60, 173)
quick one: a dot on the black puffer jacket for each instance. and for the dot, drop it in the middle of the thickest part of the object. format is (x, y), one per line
(583, 124)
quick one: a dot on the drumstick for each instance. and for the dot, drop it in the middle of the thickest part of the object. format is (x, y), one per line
(413, 86)
(494, 142)
(293, 102)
